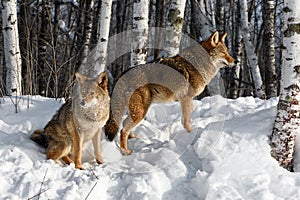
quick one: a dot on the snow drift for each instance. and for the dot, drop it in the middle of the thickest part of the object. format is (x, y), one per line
(226, 156)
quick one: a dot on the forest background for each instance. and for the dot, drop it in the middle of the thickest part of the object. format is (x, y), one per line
(55, 37)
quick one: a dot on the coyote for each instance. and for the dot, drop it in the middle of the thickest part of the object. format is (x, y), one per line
(78, 120)
(181, 78)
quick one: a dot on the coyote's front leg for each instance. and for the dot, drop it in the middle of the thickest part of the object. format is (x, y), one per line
(186, 109)
(77, 150)
(97, 146)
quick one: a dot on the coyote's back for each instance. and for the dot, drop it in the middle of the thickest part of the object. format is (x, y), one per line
(181, 78)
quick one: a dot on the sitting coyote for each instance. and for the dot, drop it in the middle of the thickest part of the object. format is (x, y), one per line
(78, 120)
(181, 78)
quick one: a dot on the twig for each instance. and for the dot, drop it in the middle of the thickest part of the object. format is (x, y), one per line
(43, 183)
(91, 190)
(41, 191)
(16, 104)
(93, 185)
(94, 173)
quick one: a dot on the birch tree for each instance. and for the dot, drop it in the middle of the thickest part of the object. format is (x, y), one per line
(11, 47)
(287, 120)
(252, 58)
(269, 48)
(102, 43)
(174, 26)
(139, 32)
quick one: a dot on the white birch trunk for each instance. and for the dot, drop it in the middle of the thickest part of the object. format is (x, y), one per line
(11, 47)
(174, 27)
(139, 32)
(252, 58)
(102, 43)
(287, 121)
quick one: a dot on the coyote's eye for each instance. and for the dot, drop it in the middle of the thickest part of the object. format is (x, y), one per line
(92, 93)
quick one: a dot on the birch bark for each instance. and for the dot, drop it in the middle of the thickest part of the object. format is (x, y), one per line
(252, 58)
(11, 47)
(102, 43)
(174, 26)
(287, 120)
(139, 32)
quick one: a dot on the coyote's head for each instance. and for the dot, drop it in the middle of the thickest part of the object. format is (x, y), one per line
(217, 50)
(91, 91)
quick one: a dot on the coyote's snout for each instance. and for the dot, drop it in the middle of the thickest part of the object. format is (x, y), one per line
(79, 120)
(196, 67)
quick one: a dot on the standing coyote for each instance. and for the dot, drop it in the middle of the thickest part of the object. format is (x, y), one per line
(181, 77)
(78, 120)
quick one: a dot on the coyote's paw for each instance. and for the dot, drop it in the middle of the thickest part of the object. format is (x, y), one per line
(126, 151)
(188, 127)
(100, 161)
(79, 167)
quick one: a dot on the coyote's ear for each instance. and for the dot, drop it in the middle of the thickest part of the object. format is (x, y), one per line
(222, 37)
(80, 77)
(214, 39)
(102, 80)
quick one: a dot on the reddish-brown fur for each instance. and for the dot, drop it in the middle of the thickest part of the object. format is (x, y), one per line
(196, 66)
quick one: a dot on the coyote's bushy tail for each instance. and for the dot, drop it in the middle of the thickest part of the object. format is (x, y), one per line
(111, 128)
(115, 117)
(40, 138)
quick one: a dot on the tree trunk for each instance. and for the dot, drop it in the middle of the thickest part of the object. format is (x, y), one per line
(102, 43)
(195, 21)
(252, 58)
(287, 121)
(269, 48)
(216, 85)
(43, 46)
(174, 27)
(87, 33)
(78, 38)
(160, 17)
(11, 47)
(235, 73)
(2, 86)
(25, 47)
(235, 83)
(220, 15)
(123, 14)
(96, 25)
(139, 32)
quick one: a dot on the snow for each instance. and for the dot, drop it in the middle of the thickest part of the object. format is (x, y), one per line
(226, 156)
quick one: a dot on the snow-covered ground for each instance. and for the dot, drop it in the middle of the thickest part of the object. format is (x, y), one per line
(226, 156)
